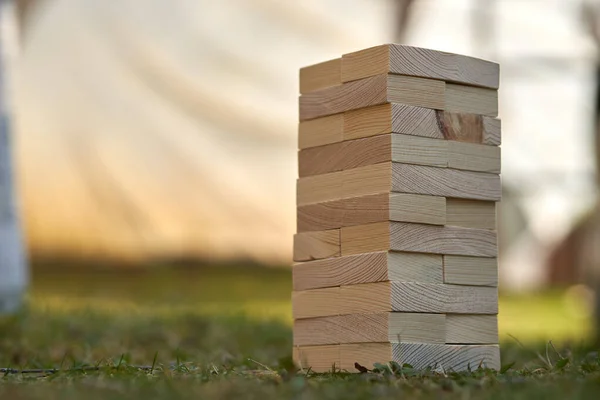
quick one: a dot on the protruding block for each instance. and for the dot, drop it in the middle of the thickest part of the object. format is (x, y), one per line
(418, 238)
(373, 208)
(367, 268)
(461, 270)
(310, 246)
(415, 61)
(400, 178)
(369, 298)
(372, 91)
(321, 75)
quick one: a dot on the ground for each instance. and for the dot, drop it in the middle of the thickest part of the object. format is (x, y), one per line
(226, 333)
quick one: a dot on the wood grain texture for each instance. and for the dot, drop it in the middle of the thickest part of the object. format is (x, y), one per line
(367, 268)
(419, 121)
(345, 155)
(471, 329)
(471, 213)
(420, 356)
(397, 327)
(363, 181)
(400, 148)
(471, 100)
(473, 157)
(409, 297)
(445, 182)
(317, 358)
(321, 131)
(372, 91)
(369, 209)
(415, 61)
(419, 238)
(316, 245)
(321, 75)
(316, 303)
(445, 356)
(461, 270)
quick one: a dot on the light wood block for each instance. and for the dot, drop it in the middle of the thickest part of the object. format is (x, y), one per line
(366, 268)
(415, 61)
(316, 245)
(418, 121)
(363, 181)
(417, 297)
(365, 328)
(418, 238)
(316, 303)
(473, 157)
(445, 182)
(420, 355)
(317, 358)
(321, 75)
(471, 213)
(369, 298)
(402, 119)
(372, 91)
(396, 327)
(401, 178)
(468, 99)
(461, 270)
(399, 148)
(373, 208)
(471, 329)
(321, 131)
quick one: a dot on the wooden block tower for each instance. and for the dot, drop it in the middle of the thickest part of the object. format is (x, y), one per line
(395, 252)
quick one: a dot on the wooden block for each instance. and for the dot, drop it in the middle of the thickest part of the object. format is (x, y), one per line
(415, 61)
(372, 91)
(419, 238)
(401, 178)
(373, 208)
(471, 329)
(473, 100)
(316, 245)
(322, 75)
(317, 358)
(412, 297)
(364, 328)
(363, 181)
(316, 303)
(473, 157)
(445, 182)
(461, 270)
(345, 155)
(418, 121)
(416, 297)
(321, 131)
(420, 355)
(366, 268)
(471, 213)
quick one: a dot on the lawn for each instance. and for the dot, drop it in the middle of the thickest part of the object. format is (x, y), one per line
(226, 332)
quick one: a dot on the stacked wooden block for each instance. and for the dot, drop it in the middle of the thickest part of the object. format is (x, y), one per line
(395, 252)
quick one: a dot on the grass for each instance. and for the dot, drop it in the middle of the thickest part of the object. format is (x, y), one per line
(227, 333)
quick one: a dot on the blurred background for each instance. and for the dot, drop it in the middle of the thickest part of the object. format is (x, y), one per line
(155, 146)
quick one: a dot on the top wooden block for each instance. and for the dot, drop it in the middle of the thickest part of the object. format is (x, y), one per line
(322, 75)
(419, 62)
